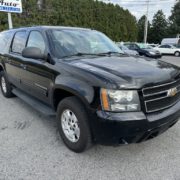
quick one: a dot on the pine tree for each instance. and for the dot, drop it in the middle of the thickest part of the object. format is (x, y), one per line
(174, 28)
(159, 28)
(114, 21)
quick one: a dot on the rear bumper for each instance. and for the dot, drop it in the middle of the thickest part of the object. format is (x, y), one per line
(124, 128)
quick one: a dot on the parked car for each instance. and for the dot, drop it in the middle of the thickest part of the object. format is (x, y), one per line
(168, 49)
(144, 50)
(127, 51)
(98, 93)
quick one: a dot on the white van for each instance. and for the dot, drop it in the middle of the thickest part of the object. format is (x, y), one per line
(171, 41)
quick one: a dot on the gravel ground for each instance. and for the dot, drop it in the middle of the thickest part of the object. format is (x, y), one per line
(172, 59)
(30, 148)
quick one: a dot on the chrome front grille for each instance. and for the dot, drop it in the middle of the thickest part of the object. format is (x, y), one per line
(162, 96)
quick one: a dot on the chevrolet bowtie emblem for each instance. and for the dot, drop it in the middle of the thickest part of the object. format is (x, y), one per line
(172, 92)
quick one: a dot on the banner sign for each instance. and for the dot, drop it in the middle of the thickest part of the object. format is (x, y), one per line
(11, 6)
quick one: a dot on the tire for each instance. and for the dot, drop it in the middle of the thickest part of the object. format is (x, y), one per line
(81, 138)
(5, 86)
(177, 54)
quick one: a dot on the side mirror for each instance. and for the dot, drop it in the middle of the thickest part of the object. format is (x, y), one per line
(33, 53)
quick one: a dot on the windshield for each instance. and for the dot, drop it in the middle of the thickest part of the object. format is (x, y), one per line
(66, 43)
(145, 46)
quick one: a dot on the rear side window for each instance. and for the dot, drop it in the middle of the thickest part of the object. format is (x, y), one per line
(36, 40)
(131, 46)
(163, 46)
(19, 42)
(5, 38)
(136, 46)
(168, 46)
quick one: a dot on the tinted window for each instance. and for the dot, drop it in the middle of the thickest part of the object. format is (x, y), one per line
(136, 46)
(132, 46)
(164, 46)
(5, 39)
(36, 40)
(129, 46)
(19, 42)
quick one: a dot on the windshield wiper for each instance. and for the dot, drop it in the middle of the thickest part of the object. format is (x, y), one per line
(111, 53)
(81, 54)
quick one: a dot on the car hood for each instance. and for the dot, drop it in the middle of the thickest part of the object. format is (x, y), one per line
(126, 71)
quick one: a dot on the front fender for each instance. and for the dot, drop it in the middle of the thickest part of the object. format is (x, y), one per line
(77, 87)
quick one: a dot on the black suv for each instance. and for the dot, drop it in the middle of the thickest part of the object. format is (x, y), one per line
(97, 93)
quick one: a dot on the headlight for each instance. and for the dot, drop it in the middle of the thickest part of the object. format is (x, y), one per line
(152, 53)
(120, 100)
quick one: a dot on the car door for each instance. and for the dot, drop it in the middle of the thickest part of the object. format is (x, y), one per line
(5, 41)
(163, 49)
(14, 62)
(39, 75)
(170, 49)
(138, 49)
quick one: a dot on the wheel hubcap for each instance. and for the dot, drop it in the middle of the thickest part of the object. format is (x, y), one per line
(70, 127)
(3, 84)
(177, 54)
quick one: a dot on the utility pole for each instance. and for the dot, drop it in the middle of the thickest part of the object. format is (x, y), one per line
(10, 21)
(146, 23)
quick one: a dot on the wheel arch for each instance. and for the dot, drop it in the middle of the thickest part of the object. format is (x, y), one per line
(177, 51)
(60, 92)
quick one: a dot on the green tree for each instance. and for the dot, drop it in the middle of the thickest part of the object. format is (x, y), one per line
(159, 28)
(174, 27)
(3, 21)
(114, 21)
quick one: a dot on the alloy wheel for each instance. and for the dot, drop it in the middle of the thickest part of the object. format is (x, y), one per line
(177, 54)
(3, 84)
(70, 127)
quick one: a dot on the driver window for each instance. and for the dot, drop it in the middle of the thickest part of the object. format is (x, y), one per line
(163, 46)
(36, 40)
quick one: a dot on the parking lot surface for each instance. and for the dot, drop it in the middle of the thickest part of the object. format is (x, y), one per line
(30, 148)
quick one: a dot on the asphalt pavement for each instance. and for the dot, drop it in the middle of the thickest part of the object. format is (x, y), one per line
(30, 148)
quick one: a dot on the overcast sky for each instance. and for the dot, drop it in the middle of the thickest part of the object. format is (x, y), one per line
(139, 7)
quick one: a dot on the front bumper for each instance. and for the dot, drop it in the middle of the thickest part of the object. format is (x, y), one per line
(154, 56)
(124, 128)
